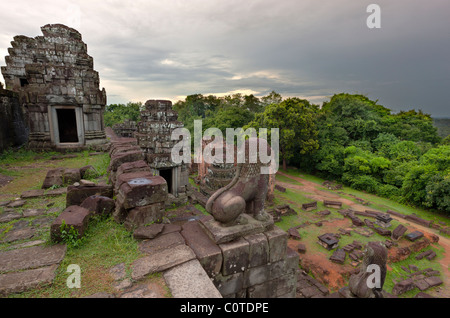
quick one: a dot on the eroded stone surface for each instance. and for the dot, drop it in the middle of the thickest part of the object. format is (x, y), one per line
(31, 257)
(162, 260)
(189, 280)
(22, 281)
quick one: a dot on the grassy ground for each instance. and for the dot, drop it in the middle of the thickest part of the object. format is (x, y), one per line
(105, 243)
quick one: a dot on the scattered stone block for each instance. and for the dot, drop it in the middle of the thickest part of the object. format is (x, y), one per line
(363, 231)
(422, 284)
(338, 256)
(355, 220)
(75, 216)
(140, 189)
(98, 204)
(16, 204)
(347, 232)
(414, 236)
(71, 175)
(293, 234)
(431, 256)
(418, 220)
(403, 286)
(19, 234)
(280, 188)
(332, 204)
(32, 194)
(423, 295)
(328, 241)
(406, 269)
(6, 217)
(433, 281)
(323, 213)
(398, 232)
(53, 178)
(285, 210)
(148, 231)
(309, 206)
(301, 248)
(26, 280)
(56, 192)
(348, 248)
(143, 215)
(413, 267)
(76, 195)
(433, 273)
(31, 257)
(396, 214)
(382, 231)
(87, 183)
(33, 212)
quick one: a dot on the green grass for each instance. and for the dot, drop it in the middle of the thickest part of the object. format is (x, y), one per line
(282, 178)
(105, 244)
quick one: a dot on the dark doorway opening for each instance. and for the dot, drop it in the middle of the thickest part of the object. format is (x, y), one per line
(67, 125)
(167, 175)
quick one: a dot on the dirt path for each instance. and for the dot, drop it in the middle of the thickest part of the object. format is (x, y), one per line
(317, 194)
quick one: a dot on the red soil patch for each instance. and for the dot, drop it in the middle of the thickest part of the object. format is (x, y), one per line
(322, 268)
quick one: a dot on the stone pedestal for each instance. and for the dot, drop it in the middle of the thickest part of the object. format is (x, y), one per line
(223, 234)
(248, 260)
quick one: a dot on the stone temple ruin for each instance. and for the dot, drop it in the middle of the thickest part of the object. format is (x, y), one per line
(153, 135)
(57, 89)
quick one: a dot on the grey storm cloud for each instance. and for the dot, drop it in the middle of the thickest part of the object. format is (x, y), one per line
(170, 49)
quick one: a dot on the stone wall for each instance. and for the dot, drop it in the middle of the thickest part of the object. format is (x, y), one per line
(13, 131)
(158, 121)
(254, 265)
(126, 129)
(140, 195)
(54, 76)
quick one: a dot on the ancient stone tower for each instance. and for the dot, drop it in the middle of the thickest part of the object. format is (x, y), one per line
(58, 89)
(153, 135)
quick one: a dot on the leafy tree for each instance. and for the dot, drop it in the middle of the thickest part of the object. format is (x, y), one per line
(295, 119)
(118, 113)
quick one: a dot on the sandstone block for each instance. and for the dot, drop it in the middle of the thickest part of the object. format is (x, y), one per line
(75, 216)
(98, 204)
(277, 240)
(258, 249)
(235, 256)
(76, 195)
(208, 253)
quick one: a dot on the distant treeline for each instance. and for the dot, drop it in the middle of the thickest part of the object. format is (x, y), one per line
(350, 139)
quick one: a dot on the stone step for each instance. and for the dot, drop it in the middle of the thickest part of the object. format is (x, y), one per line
(161, 261)
(190, 280)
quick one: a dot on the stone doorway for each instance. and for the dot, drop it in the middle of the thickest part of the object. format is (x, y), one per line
(167, 175)
(67, 125)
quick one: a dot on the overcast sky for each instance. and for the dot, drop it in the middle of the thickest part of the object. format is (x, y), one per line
(306, 48)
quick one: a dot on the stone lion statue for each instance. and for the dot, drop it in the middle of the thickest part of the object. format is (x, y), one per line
(246, 193)
(375, 253)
